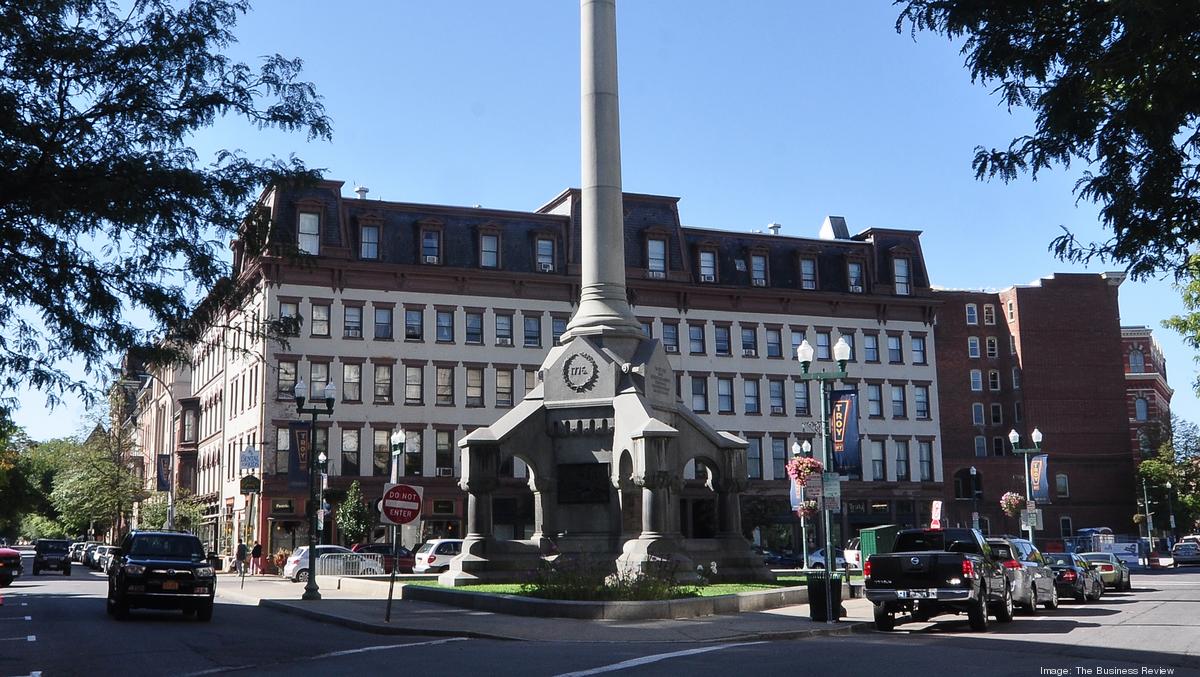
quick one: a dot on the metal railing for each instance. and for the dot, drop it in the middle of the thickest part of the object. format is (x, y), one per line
(350, 564)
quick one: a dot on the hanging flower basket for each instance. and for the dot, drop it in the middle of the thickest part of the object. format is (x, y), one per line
(1011, 503)
(807, 509)
(800, 467)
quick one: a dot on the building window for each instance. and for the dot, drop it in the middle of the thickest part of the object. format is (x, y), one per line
(750, 390)
(749, 342)
(800, 398)
(1012, 315)
(352, 322)
(309, 241)
(824, 343)
(878, 467)
(444, 386)
(647, 329)
(993, 379)
(997, 446)
(699, 394)
(383, 323)
(758, 270)
(925, 459)
(475, 328)
(445, 326)
(533, 331)
(1062, 486)
(1012, 345)
(474, 386)
(976, 380)
(1141, 410)
(504, 388)
(670, 337)
(977, 413)
(504, 330)
(431, 246)
(189, 426)
(545, 254)
(656, 256)
(774, 343)
(351, 382)
(381, 452)
(849, 338)
(981, 446)
(708, 266)
(997, 413)
(320, 320)
(901, 461)
(287, 379)
(291, 312)
(318, 377)
(973, 346)
(724, 396)
(775, 394)
(918, 350)
(921, 402)
(989, 314)
(1016, 378)
(895, 352)
(779, 458)
(414, 325)
(414, 457)
(899, 404)
(797, 339)
(444, 450)
(489, 251)
(875, 400)
(854, 276)
(871, 347)
(383, 383)
(283, 447)
(558, 327)
(350, 452)
(903, 277)
(972, 314)
(1137, 362)
(414, 385)
(1064, 527)
(723, 341)
(1018, 412)
(696, 339)
(368, 246)
(993, 349)
(808, 273)
(754, 458)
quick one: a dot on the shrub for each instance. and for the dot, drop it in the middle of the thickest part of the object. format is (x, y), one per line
(584, 579)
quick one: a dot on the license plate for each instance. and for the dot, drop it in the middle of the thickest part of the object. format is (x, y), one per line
(916, 594)
(170, 585)
(200, 590)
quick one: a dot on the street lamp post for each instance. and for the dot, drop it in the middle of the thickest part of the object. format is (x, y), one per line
(1014, 438)
(311, 591)
(1171, 513)
(974, 500)
(806, 450)
(841, 353)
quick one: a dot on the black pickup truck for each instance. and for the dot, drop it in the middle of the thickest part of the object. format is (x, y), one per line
(937, 571)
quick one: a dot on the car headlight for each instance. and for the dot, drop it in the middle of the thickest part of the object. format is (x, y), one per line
(204, 572)
(135, 569)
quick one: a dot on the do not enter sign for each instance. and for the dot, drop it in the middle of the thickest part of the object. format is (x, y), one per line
(401, 503)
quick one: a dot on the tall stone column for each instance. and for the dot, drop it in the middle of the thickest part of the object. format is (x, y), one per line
(545, 498)
(654, 505)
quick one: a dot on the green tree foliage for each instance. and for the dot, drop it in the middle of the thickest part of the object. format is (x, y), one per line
(353, 517)
(188, 511)
(105, 211)
(1174, 461)
(97, 483)
(35, 526)
(1112, 85)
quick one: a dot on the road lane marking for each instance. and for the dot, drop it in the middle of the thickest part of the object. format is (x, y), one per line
(26, 638)
(383, 647)
(644, 660)
(18, 618)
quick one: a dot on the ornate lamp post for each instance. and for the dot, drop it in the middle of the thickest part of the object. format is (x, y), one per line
(1014, 438)
(841, 353)
(974, 499)
(311, 591)
(805, 450)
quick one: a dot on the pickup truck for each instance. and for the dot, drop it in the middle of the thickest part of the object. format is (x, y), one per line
(936, 571)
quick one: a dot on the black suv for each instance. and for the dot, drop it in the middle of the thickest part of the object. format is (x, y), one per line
(51, 554)
(161, 570)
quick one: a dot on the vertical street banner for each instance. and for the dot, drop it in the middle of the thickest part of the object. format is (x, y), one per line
(843, 425)
(163, 471)
(299, 448)
(1039, 479)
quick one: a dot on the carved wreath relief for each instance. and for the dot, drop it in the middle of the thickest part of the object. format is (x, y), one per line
(580, 372)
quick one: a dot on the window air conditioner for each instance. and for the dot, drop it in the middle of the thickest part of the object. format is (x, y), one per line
(431, 259)
(856, 289)
(749, 352)
(545, 267)
(776, 410)
(708, 278)
(656, 274)
(445, 472)
(504, 342)
(354, 333)
(672, 349)
(759, 282)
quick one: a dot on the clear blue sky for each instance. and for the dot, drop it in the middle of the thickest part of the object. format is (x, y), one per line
(749, 112)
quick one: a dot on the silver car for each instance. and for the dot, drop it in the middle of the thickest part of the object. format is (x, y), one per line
(1186, 553)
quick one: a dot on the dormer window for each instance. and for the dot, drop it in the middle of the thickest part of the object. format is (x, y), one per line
(656, 258)
(902, 275)
(854, 277)
(708, 266)
(309, 240)
(808, 273)
(431, 246)
(545, 255)
(368, 246)
(758, 270)
(489, 251)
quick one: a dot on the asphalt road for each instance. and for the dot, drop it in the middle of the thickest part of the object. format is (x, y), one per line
(51, 625)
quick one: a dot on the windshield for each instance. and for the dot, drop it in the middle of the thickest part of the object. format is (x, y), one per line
(1060, 560)
(172, 547)
(1098, 557)
(952, 540)
(53, 546)
(425, 547)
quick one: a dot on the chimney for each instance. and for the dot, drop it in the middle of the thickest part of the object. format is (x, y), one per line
(774, 228)
(362, 192)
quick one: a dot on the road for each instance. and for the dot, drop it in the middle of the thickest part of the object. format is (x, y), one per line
(52, 625)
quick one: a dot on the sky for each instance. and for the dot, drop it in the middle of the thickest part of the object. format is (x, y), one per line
(750, 113)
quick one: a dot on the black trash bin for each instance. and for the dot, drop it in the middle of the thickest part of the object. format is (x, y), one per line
(816, 595)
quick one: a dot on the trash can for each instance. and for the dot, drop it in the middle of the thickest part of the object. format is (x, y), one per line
(816, 595)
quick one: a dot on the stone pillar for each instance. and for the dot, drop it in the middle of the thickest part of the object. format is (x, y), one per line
(654, 500)
(545, 500)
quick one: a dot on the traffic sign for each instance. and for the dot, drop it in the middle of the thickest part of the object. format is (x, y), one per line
(813, 488)
(831, 491)
(401, 503)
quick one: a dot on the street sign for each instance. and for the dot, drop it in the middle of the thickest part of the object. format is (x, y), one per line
(251, 485)
(812, 488)
(401, 503)
(831, 491)
(1031, 519)
(250, 459)
(1031, 505)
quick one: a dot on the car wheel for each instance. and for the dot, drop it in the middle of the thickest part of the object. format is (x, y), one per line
(204, 613)
(1032, 609)
(66, 571)
(977, 614)
(5, 582)
(1004, 612)
(1128, 583)
(1081, 594)
(885, 621)
(301, 576)
(1052, 603)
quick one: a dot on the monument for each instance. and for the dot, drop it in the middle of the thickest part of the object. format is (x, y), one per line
(604, 439)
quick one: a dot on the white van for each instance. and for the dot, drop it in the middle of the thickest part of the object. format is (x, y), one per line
(434, 556)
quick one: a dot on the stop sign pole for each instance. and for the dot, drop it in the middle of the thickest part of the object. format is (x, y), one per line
(401, 504)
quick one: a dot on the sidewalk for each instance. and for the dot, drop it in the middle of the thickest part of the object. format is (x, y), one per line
(363, 612)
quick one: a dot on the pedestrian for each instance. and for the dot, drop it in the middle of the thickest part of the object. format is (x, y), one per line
(256, 563)
(240, 558)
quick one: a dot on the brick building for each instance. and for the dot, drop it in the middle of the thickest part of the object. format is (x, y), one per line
(1148, 402)
(1047, 356)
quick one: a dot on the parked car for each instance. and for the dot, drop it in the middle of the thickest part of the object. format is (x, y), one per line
(1030, 586)
(51, 553)
(937, 571)
(816, 558)
(402, 556)
(1032, 558)
(435, 555)
(88, 559)
(853, 553)
(10, 566)
(103, 557)
(1113, 571)
(1186, 553)
(1074, 577)
(76, 552)
(161, 570)
(296, 567)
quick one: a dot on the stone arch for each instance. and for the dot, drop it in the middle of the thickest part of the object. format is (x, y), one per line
(699, 514)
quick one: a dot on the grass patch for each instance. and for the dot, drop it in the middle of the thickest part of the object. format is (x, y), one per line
(712, 590)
